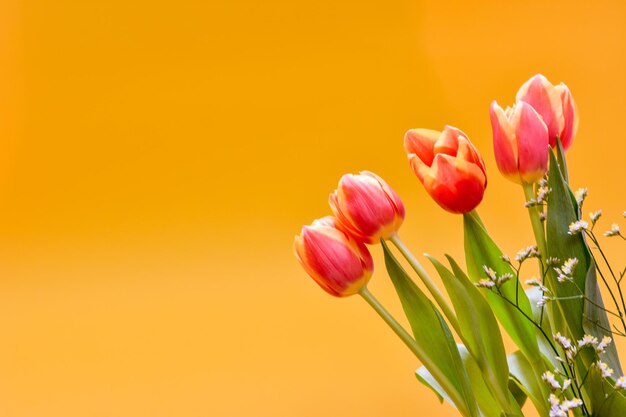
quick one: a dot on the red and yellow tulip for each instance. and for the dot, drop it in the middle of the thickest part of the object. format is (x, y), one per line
(367, 207)
(520, 141)
(555, 105)
(449, 166)
(340, 264)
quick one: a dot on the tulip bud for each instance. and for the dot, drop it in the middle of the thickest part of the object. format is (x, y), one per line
(449, 167)
(520, 142)
(367, 207)
(340, 264)
(555, 105)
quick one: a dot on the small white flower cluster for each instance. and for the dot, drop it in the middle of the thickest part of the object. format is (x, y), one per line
(550, 379)
(604, 368)
(620, 383)
(534, 282)
(595, 215)
(592, 341)
(526, 253)
(606, 341)
(613, 232)
(580, 195)
(560, 408)
(543, 301)
(577, 227)
(551, 261)
(566, 271)
(493, 280)
(542, 193)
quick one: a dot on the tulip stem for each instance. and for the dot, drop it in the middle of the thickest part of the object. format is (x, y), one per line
(414, 347)
(535, 221)
(446, 308)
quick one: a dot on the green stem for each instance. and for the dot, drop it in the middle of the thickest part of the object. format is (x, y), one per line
(446, 308)
(434, 370)
(535, 221)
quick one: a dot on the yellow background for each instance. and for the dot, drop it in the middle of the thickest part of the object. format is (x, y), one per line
(157, 158)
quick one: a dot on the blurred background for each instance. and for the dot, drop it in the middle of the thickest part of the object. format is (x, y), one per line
(157, 159)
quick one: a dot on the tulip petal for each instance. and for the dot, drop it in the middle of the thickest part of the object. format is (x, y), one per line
(457, 185)
(421, 142)
(570, 115)
(504, 142)
(542, 96)
(532, 142)
(448, 141)
(334, 261)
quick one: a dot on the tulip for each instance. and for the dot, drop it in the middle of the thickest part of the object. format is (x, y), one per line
(449, 167)
(340, 264)
(520, 141)
(367, 207)
(555, 105)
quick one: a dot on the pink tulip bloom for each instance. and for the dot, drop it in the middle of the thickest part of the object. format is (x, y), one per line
(520, 142)
(449, 166)
(367, 207)
(340, 264)
(555, 105)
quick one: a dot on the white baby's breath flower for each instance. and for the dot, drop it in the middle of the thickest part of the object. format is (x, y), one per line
(613, 232)
(550, 380)
(566, 271)
(604, 368)
(504, 278)
(491, 274)
(587, 340)
(595, 215)
(580, 195)
(527, 252)
(620, 383)
(606, 340)
(577, 227)
(551, 261)
(485, 283)
(563, 341)
(561, 409)
(542, 193)
(569, 265)
(543, 301)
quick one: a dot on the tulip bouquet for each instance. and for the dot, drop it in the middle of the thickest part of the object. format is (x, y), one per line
(566, 362)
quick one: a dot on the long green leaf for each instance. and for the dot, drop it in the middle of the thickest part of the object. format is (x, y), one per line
(431, 332)
(479, 328)
(522, 374)
(605, 400)
(579, 316)
(481, 250)
(487, 404)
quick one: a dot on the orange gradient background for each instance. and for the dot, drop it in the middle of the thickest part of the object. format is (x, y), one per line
(157, 158)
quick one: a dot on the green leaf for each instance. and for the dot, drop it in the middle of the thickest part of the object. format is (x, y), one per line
(605, 400)
(488, 406)
(534, 295)
(578, 316)
(596, 320)
(526, 380)
(432, 334)
(560, 154)
(517, 392)
(479, 328)
(480, 250)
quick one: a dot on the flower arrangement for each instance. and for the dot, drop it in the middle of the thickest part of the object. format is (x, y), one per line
(565, 363)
